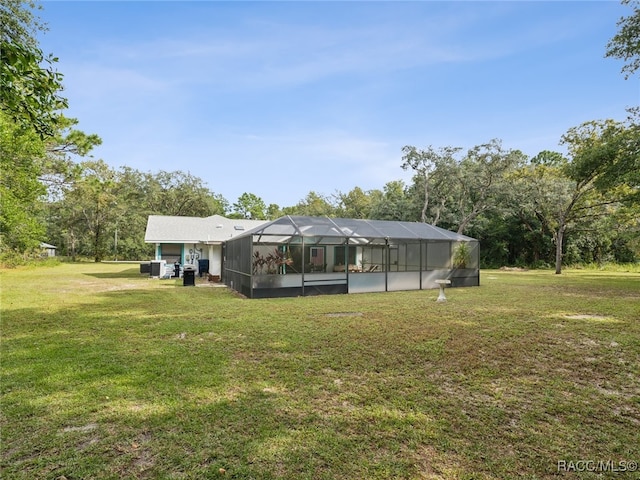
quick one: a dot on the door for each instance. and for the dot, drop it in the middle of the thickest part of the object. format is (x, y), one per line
(316, 256)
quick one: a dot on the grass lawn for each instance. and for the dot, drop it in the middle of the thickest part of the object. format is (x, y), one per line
(107, 374)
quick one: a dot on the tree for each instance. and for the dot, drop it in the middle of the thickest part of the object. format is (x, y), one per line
(604, 171)
(273, 211)
(576, 193)
(550, 196)
(132, 213)
(481, 181)
(313, 204)
(538, 188)
(21, 152)
(79, 221)
(181, 194)
(40, 137)
(355, 204)
(393, 204)
(608, 153)
(31, 166)
(91, 207)
(29, 83)
(431, 167)
(63, 148)
(626, 244)
(250, 206)
(625, 45)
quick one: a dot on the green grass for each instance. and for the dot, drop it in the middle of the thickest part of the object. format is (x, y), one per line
(109, 375)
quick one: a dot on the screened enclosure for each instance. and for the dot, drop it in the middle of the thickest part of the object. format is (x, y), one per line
(298, 255)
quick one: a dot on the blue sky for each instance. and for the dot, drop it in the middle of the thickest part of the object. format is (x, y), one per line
(283, 98)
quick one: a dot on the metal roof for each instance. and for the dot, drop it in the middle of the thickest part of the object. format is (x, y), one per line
(305, 226)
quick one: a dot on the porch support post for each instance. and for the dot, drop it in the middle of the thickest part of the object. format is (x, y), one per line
(387, 255)
(346, 261)
(303, 264)
(420, 268)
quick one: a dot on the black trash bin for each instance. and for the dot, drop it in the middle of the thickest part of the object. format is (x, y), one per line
(176, 270)
(189, 275)
(203, 266)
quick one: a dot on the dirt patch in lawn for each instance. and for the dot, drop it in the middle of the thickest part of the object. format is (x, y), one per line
(586, 317)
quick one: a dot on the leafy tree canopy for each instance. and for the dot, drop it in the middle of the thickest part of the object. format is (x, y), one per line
(625, 45)
(20, 190)
(250, 206)
(29, 83)
(606, 153)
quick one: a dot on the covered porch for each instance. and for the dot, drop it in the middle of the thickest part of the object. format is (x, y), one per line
(297, 256)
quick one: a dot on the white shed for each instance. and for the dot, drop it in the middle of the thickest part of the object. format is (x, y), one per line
(48, 250)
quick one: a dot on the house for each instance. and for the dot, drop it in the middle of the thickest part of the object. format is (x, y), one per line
(299, 255)
(194, 240)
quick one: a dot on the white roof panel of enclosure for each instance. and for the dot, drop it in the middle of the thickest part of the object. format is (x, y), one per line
(353, 228)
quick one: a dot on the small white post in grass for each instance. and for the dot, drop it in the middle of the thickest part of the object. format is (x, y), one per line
(441, 284)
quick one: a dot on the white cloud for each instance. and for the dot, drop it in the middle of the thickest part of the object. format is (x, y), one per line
(278, 53)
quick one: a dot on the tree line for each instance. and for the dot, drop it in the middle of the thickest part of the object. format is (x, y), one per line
(548, 210)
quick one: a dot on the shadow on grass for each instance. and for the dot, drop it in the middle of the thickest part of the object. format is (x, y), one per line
(147, 383)
(133, 389)
(129, 272)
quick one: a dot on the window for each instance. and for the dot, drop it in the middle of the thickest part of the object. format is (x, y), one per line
(171, 252)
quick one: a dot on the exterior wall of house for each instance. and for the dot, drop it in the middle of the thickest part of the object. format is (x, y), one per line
(194, 252)
(189, 240)
(190, 253)
(215, 259)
